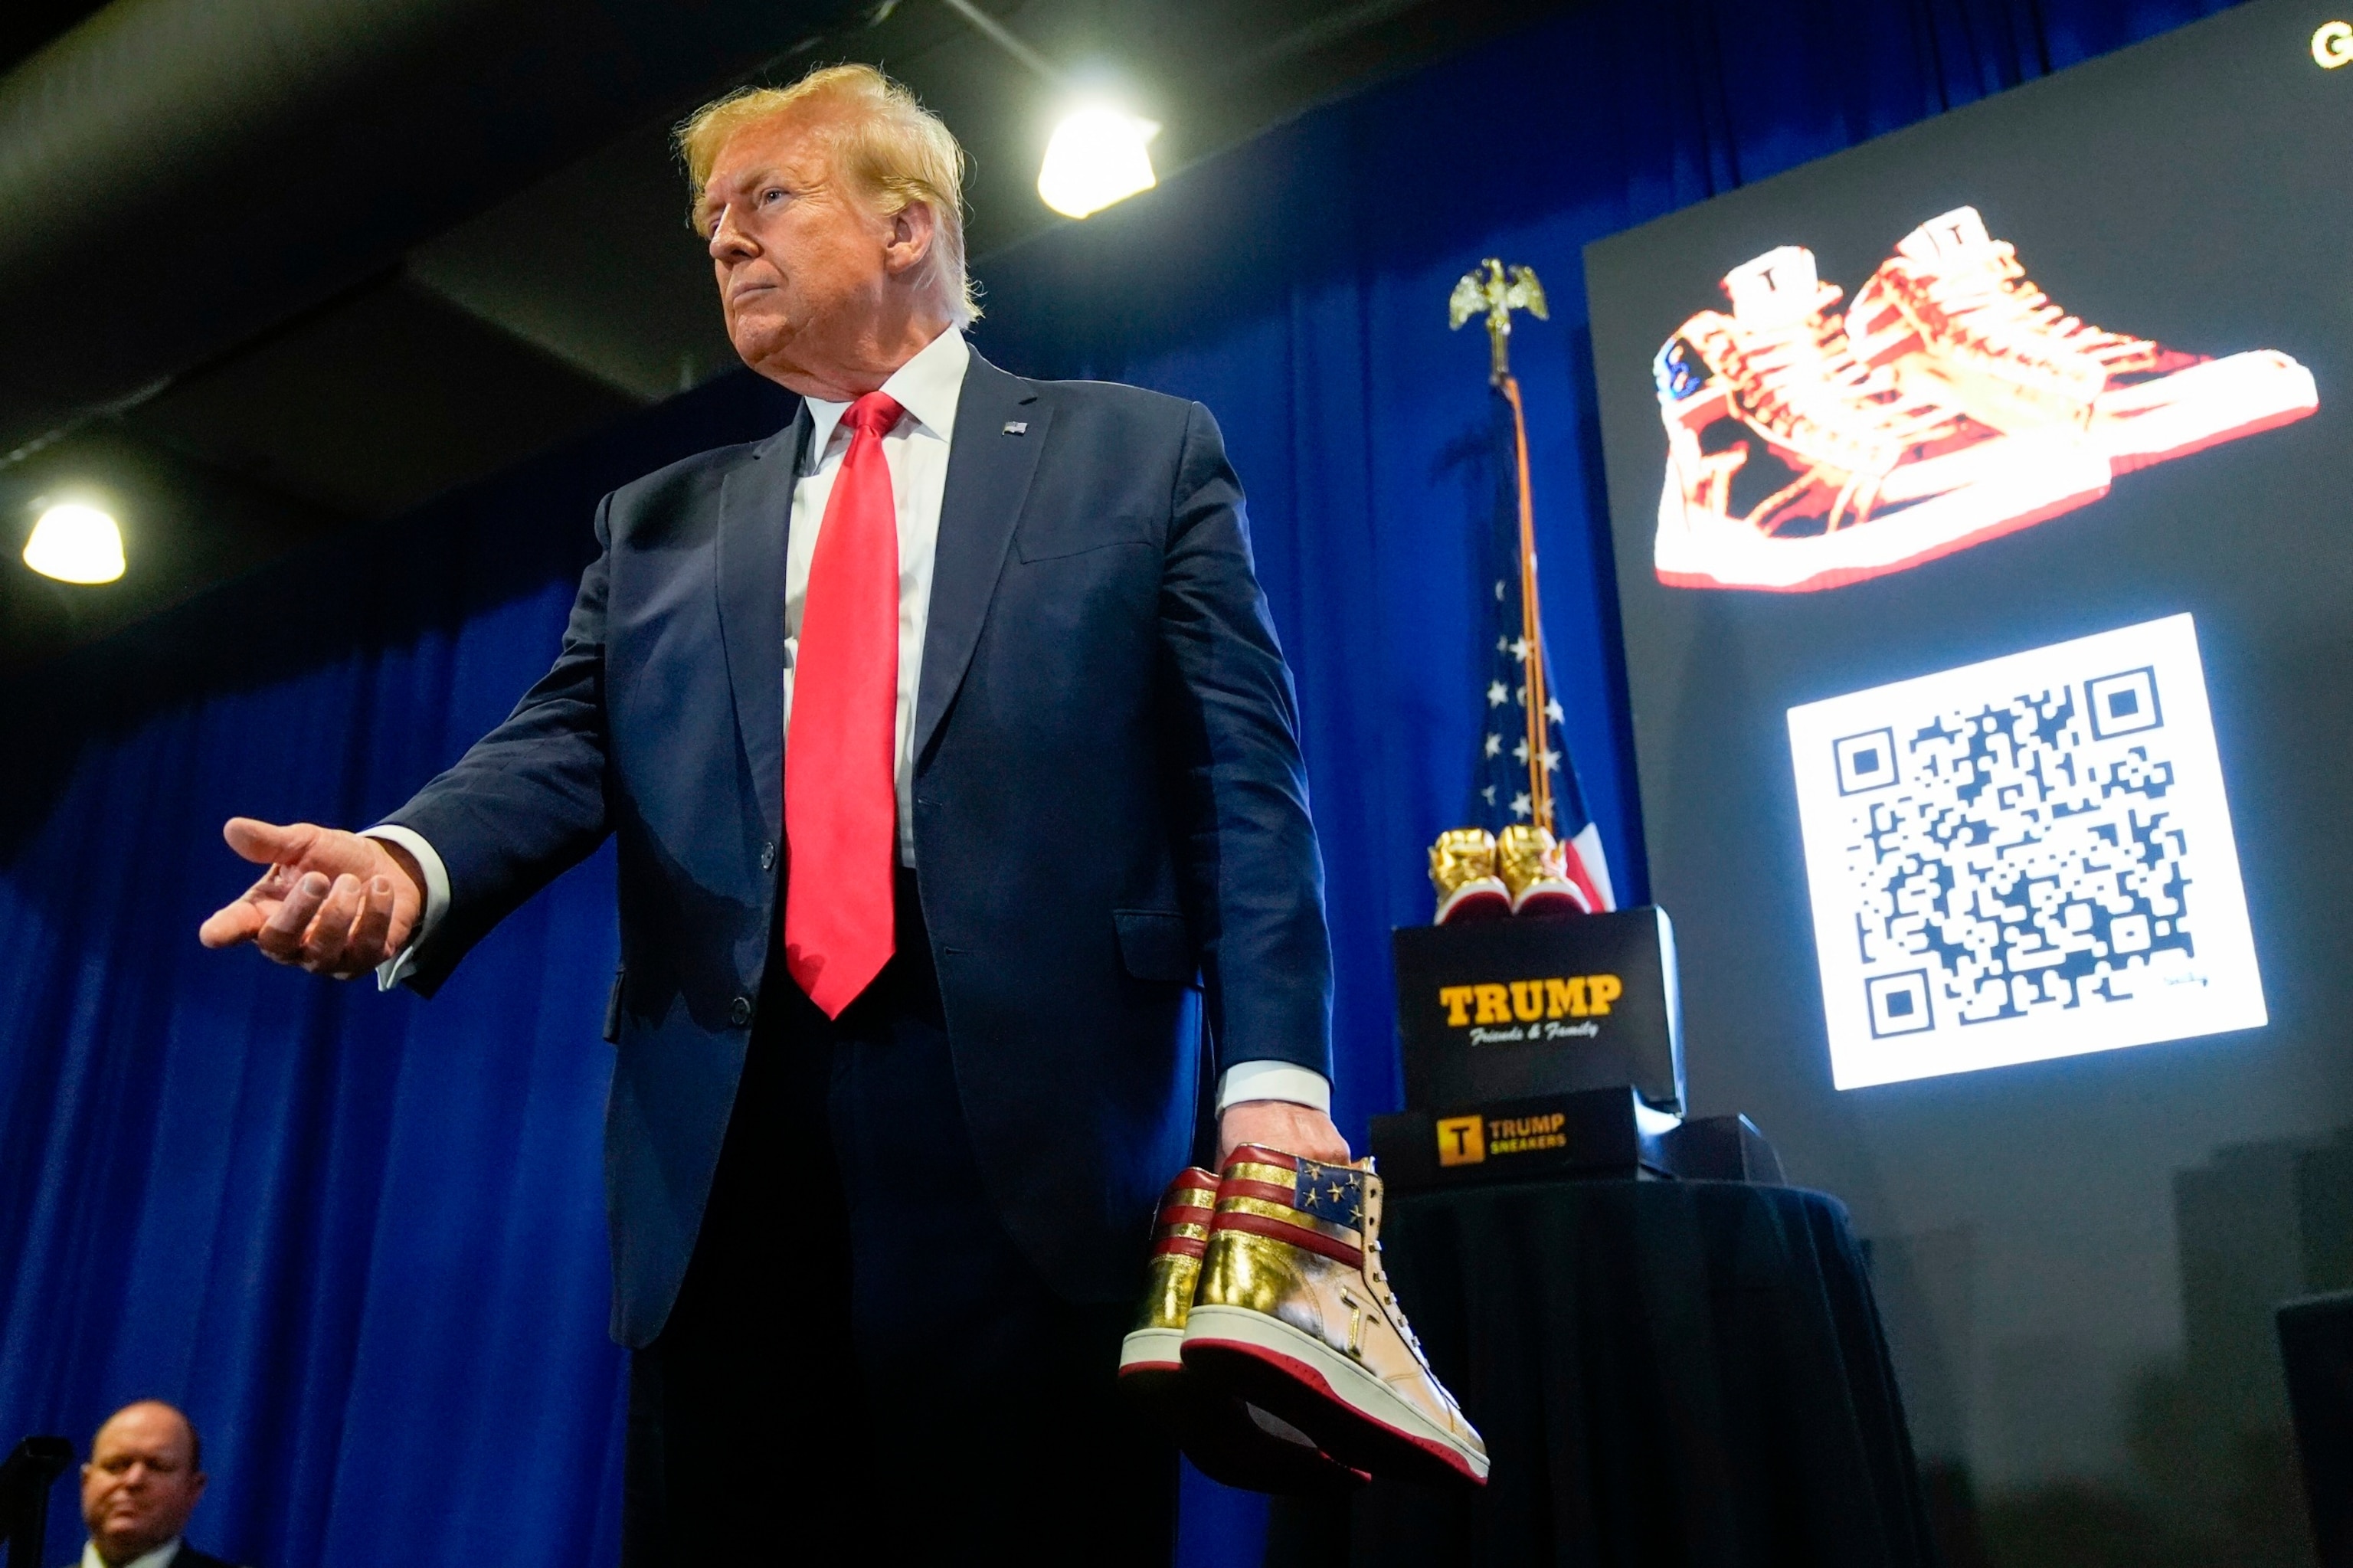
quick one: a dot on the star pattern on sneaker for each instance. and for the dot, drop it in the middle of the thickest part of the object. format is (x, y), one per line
(1331, 1192)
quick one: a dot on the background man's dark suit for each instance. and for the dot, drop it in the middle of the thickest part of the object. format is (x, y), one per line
(1107, 799)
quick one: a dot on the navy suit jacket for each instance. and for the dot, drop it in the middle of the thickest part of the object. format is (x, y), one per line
(1109, 809)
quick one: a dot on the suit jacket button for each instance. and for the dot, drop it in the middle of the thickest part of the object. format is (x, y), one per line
(768, 855)
(739, 1011)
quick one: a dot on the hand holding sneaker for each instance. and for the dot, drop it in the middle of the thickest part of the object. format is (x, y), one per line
(1295, 1128)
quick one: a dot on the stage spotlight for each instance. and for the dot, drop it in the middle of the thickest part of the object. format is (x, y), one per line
(76, 543)
(1095, 157)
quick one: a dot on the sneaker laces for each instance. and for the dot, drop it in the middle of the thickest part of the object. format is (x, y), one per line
(1989, 306)
(1377, 1275)
(1800, 384)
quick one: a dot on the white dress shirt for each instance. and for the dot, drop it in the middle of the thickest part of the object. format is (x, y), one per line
(928, 386)
(158, 1558)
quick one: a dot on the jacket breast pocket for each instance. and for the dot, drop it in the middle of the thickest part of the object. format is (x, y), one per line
(1047, 537)
(1154, 945)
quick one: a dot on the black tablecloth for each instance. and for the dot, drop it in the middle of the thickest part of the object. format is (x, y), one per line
(1665, 1372)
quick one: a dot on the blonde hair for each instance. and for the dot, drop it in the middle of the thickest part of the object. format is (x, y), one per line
(896, 151)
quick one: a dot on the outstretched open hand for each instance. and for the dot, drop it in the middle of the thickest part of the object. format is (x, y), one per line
(330, 902)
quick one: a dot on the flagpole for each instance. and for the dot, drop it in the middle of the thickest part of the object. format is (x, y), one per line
(1531, 617)
(1493, 290)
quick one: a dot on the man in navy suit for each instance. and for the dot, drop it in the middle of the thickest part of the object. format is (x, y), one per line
(954, 770)
(145, 1474)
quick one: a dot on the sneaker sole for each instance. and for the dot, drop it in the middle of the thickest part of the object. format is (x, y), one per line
(1146, 1351)
(1550, 900)
(1928, 531)
(2221, 400)
(1217, 1431)
(1351, 1414)
(1486, 899)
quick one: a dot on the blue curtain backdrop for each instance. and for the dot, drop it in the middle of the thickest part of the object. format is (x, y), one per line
(359, 1238)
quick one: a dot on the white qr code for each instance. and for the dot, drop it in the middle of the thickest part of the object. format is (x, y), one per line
(2025, 858)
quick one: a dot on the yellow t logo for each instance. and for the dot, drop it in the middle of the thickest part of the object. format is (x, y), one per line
(1461, 1140)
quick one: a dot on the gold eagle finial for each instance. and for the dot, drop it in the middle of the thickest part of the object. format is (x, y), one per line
(1495, 290)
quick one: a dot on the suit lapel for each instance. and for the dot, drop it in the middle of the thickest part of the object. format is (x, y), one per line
(989, 469)
(756, 506)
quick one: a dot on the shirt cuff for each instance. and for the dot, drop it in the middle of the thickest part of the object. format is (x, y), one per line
(1275, 1081)
(398, 967)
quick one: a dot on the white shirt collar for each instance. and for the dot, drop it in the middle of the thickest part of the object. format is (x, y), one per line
(927, 387)
(158, 1558)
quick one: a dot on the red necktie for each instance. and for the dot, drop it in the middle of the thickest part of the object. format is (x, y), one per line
(842, 814)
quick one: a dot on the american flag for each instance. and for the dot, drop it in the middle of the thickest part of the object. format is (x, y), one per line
(1505, 790)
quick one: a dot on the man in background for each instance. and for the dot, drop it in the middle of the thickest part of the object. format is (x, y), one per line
(144, 1475)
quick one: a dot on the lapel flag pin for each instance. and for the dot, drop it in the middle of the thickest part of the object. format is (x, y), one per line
(1016, 427)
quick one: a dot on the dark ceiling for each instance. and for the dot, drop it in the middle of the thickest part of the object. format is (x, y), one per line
(367, 380)
(27, 25)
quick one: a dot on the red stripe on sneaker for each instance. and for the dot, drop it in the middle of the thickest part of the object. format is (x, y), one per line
(1186, 1246)
(1297, 1235)
(1186, 1213)
(1259, 1154)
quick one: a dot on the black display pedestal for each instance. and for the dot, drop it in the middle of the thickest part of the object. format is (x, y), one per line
(1666, 1373)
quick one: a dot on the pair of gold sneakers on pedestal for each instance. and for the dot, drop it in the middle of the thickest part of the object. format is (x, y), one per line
(1271, 1342)
(1482, 876)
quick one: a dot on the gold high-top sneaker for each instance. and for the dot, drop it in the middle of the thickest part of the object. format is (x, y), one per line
(1227, 1439)
(1463, 869)
(1180, 1237)
(1296, 1314)
(1536, 870)
(1955, 316)
(1794, 463)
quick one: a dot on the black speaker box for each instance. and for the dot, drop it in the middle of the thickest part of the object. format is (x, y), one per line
(2316, 1345)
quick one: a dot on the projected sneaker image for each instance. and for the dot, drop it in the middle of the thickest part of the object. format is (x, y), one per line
(1951, 403)
(2025, 858)
(1955, 315)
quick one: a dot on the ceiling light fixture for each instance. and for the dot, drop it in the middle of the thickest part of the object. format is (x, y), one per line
(76, 543)
(1095, 157)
